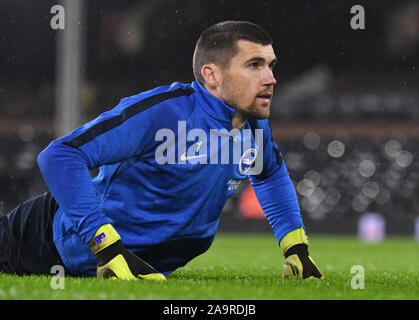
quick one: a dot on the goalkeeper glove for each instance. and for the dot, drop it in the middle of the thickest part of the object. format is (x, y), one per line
(298, 263)
(115, 261)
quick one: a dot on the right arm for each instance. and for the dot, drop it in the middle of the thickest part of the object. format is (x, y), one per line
(119, 134)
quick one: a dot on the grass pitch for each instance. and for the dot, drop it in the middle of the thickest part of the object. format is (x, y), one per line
(248, 267)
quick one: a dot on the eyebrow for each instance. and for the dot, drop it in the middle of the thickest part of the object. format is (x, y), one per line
(261, 59)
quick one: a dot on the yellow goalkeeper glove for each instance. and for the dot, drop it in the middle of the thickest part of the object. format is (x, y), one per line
(298, 263)
(115, 261)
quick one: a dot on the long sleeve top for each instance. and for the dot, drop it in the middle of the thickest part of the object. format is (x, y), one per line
(168, 161)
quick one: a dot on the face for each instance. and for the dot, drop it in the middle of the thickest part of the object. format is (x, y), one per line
(247, 84)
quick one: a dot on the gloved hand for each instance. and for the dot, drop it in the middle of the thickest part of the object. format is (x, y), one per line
(298, 263)
(115, 261)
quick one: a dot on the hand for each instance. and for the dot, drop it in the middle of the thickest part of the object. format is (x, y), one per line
(298, 263)
(115, 261)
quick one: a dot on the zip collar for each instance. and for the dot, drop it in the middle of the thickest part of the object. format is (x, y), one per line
(213, 105)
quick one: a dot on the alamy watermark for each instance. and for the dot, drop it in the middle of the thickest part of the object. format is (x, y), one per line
(358, 280)
(358, 20)
(58, 280)
(244, 154)
(57, 21)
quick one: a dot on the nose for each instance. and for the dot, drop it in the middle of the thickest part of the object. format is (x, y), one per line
(269, 79)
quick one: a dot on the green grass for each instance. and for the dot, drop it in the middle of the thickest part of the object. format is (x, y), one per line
(248, 267)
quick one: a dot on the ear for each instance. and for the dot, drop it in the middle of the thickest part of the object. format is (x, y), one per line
(210, 73)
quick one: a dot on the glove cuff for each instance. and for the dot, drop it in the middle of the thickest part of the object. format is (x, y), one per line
(103, 238)
(301, 250)
(297, 236)
(110, 252)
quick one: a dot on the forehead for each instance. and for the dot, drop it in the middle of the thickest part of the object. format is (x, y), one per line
(247, 50)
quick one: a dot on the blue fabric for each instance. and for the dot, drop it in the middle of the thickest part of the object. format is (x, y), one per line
(155, 205)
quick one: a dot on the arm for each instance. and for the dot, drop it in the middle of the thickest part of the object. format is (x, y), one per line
(66, 162)
(275, 190)
(277, 197)
(123, 133)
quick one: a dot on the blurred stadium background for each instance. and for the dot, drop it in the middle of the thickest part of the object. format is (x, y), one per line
(345, 113)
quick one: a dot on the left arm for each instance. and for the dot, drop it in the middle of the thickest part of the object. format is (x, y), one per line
(275, 190)
(278, 199)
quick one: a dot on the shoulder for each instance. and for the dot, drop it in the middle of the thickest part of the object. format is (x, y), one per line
(160, 107)
(175, 96)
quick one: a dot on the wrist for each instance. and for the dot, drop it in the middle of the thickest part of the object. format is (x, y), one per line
(110, 252)
(104, 237)
(295, 237)
(301, 250)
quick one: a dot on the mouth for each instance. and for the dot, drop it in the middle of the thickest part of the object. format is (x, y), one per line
(266, 97)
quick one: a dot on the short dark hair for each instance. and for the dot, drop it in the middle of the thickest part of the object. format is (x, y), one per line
(218, 43)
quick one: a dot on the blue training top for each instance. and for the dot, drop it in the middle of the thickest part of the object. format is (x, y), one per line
(168, 162)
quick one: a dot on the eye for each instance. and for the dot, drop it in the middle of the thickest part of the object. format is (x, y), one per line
(254, 65)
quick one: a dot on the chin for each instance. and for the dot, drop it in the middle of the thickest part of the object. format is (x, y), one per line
(260, 116)
(264, 113)
(264, 116)
(259, 111)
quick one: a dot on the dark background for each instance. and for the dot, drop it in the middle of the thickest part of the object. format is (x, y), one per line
(336, 86)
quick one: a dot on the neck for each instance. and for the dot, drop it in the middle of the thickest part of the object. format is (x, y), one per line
(239, 119)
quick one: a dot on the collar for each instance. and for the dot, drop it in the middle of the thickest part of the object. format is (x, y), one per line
(213, 105)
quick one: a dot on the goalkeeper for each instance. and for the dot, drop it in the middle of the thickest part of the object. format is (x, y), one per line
(142, 217)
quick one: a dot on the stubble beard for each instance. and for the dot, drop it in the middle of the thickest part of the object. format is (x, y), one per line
(231, 99)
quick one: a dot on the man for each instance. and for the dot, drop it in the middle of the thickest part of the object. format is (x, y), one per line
(164, 174)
